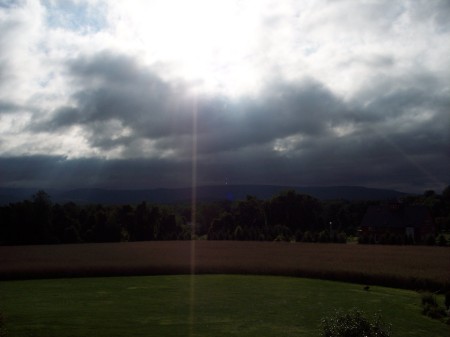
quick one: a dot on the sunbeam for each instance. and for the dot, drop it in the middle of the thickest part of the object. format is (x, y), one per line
(193, 215)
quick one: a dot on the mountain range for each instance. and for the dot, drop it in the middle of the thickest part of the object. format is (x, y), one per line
(203, 193)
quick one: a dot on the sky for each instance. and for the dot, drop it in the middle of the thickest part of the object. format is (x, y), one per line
(147, 94)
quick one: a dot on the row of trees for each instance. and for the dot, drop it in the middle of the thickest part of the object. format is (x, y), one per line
(286, 216)
(39, 221)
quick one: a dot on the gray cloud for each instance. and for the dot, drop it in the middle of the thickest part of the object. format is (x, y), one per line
(393, 131)
(288, 134)
(436, 12)
(58, 172)
(8, 107)
(115, 88)
(374, 162)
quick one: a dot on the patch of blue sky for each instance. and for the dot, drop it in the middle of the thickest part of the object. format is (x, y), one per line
(78, 16)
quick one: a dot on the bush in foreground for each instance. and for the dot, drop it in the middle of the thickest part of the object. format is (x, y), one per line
(447, 300)
(431, 308)
(354, 324)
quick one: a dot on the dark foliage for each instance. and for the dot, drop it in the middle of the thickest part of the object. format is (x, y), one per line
(40, 222)
(431, 308)
(429, 299)
(287, 216)
(354, 324)
(441, 241)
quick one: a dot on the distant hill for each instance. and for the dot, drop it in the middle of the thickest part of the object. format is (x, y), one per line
(204, 193)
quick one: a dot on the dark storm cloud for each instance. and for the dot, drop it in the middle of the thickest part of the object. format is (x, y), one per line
(288, 134)
(367, 100)
(369, 161)
(116, 89)
(279, 111)
(112, 88)
(59, 172)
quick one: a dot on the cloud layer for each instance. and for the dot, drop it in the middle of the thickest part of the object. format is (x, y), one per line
(332, 93)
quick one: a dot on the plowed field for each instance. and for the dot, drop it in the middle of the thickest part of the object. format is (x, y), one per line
(399, 266)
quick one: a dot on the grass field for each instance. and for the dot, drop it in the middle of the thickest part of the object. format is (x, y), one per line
(206, 305)
(410, 267)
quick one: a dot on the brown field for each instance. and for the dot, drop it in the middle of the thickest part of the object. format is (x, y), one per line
(398, 266)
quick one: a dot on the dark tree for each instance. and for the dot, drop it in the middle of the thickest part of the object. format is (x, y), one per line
(168, 228)
(65, 226)
(222, 228)
(295, 211)
(42, 213)
(250, 219)
(141, 229)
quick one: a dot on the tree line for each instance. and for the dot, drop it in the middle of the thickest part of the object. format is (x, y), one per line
(288, 216)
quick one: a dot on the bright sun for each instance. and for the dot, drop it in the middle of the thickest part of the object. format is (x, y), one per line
(209, 43)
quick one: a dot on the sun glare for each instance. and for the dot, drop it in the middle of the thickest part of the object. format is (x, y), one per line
(208, 43)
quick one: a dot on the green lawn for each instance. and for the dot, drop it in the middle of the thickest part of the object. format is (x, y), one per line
(209, 305)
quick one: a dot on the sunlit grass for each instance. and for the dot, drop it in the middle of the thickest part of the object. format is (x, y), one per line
(208, 305)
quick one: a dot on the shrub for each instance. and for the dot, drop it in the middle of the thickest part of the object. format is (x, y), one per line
(434, 312)
(354, 324)
(239, 233)
(323, 237)
(280, 238)
(281, 233)
(441, 241)
(429, 299)
(431, 308)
